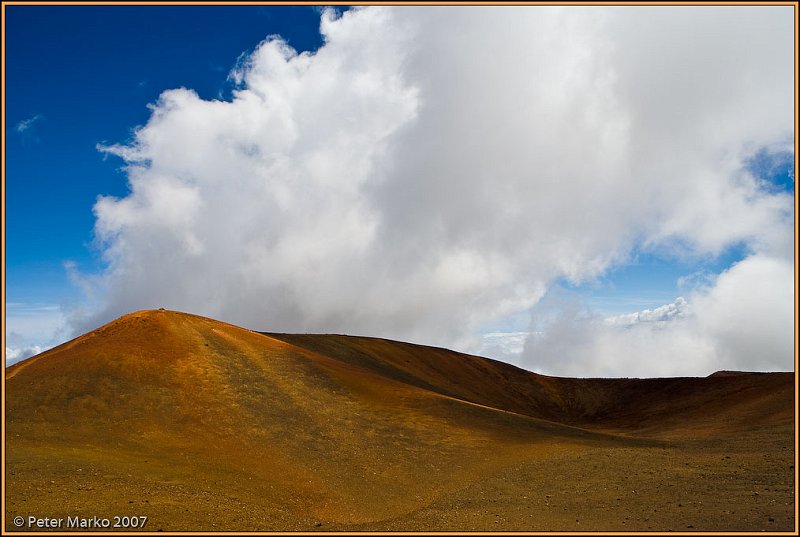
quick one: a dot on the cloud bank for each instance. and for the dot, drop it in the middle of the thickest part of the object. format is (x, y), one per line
(744, 320)
(429, 172)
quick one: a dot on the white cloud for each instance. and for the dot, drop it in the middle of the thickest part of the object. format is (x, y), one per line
(661, 314)
(749, 314)
(743, 321)
(429, 171)
(17, 354)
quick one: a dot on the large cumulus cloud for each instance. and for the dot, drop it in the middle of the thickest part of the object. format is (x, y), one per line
(429, 172)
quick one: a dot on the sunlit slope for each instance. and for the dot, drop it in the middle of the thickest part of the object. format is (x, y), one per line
(209, 401)
(160, 370)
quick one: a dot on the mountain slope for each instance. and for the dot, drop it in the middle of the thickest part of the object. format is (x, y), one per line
(723, 400)
(204, 425)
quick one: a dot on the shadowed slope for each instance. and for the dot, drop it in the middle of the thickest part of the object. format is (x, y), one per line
(722, 401)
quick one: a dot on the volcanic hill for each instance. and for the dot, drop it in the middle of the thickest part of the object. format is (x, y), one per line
(201, 425)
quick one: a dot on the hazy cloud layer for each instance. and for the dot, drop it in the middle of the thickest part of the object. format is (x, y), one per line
(32, 328)
(743, 321)
(432, 171)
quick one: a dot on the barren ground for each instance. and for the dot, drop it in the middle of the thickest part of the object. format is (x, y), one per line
(200, 425)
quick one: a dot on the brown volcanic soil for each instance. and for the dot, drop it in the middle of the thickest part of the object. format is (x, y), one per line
(201, 425)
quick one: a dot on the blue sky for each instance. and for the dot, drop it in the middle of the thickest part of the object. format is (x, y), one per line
(82, 76)
(78, 77)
